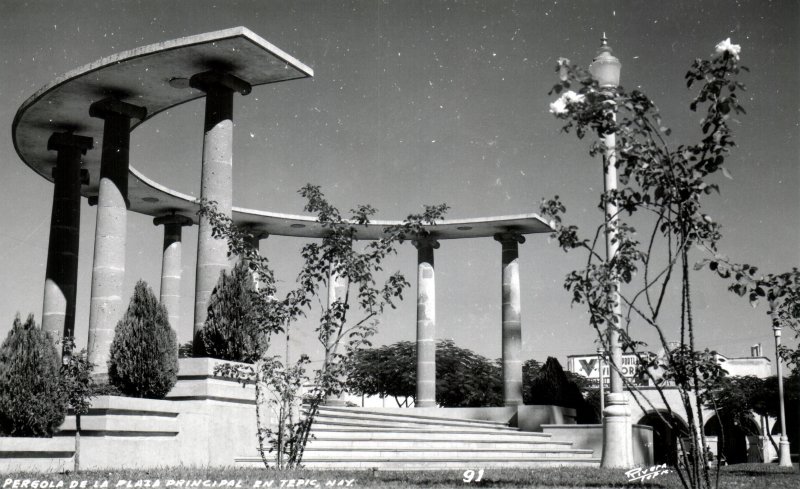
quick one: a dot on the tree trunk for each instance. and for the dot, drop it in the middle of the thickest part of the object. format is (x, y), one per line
(76, 467)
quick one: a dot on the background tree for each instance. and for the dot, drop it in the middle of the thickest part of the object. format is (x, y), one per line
(344, 327)
(386, 371)
(664, 185)
(78, 388)
(231, 329)
(144, 354)
(466, 379)
(31, 403)
(463, 378)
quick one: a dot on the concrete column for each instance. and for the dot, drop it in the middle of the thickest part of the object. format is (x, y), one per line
(337, 290)
(171, 267)
(216, 183)
(426, 323)
(108, 272)
(512, 326)
(253, 237)
(61, 277)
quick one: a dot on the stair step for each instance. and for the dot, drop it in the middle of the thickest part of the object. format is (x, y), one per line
(354, 422)
(346, 438)
(437, 444)
(427, 463)
(361, 413)
(325, 433)
(435, 453)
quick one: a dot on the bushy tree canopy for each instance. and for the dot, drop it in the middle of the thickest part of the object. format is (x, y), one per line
(386, 371)
(463, 378)
(144, 353)
(31, 403)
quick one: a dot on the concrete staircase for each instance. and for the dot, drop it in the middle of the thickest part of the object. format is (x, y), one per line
(345, 438)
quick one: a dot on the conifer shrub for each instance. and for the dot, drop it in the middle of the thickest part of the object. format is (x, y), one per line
(231, 331)
(552, 386)
(144, 353)
(31, 403)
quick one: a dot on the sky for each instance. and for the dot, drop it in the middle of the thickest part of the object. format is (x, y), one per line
(424, 102)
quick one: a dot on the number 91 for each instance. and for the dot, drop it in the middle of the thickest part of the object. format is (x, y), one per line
(469, 476)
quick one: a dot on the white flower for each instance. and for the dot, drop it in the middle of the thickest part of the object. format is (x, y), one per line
(732, 49)
(563, 69)
(568, 98)
(559, 106)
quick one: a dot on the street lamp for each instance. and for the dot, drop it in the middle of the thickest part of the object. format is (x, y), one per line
(617, 431)
(784, 458)
(605, 67)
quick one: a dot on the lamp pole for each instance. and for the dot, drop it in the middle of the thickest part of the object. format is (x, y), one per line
(617, 431)
(600, 382)
(784, 458)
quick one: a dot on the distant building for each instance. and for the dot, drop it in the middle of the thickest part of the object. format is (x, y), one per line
(740, 444)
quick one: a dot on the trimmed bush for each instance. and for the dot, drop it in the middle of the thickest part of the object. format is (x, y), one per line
(231, 330)
(144, 353)
(31, 403)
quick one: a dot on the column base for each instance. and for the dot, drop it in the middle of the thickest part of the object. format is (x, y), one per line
(100, 378)
(425, 404)
(784, 457)
(616, 433)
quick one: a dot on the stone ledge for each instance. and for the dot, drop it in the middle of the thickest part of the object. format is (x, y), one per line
(36, 454)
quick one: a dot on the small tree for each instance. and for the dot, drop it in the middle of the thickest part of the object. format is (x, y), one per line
(144, 355)
(31, 403)
(231, 330)
(345, 324)
(664, 185)
(78, 388)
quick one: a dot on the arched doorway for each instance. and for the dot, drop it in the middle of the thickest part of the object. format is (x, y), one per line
(732, 436)
(667, 428)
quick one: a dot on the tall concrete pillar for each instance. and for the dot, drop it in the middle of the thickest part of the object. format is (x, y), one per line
(337, 290)
(108, 272)
(512, 326)
(426, 323)
(171, 268)
(61, 277)
(216, 183)
(253, 238)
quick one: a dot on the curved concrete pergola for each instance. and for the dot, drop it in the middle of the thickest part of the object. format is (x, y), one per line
(98, 105)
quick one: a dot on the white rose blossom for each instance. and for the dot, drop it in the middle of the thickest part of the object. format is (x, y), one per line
(568, 98)
(726, 47)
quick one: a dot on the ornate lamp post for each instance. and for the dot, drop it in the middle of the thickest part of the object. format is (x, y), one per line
(617, 449)
(784, 459)
(602, 388)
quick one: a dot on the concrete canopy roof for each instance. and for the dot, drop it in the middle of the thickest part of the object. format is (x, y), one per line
(156, 77)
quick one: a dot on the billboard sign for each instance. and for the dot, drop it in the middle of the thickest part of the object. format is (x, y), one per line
(587, 366)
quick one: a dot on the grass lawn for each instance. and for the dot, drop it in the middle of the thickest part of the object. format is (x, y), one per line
(737, 476)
